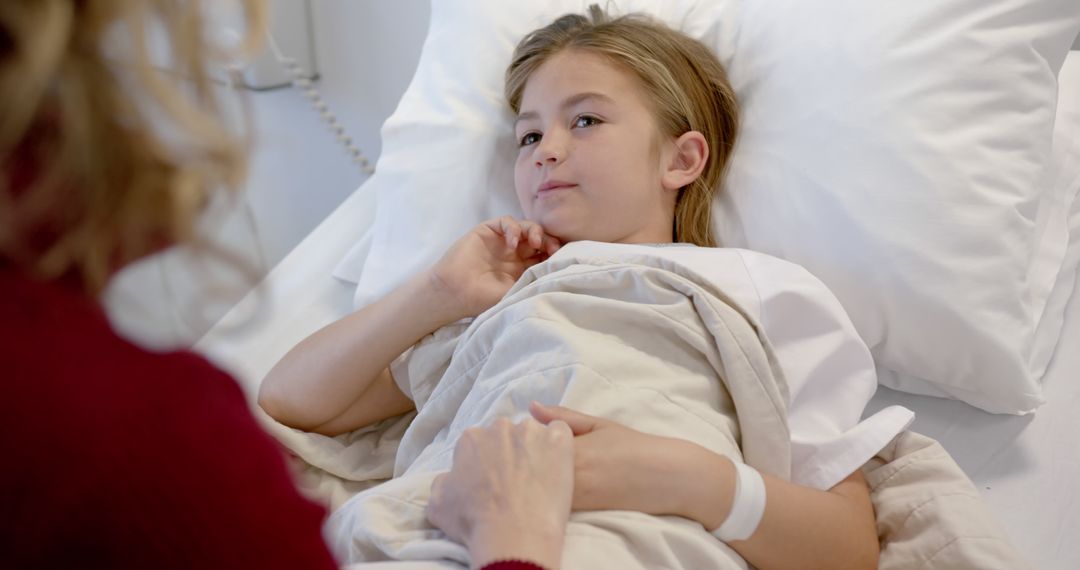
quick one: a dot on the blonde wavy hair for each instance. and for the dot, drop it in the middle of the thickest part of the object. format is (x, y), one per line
(683, 80)
(105, 157)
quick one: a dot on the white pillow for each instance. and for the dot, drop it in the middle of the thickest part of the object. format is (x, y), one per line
(1059, 214)
(896, 150)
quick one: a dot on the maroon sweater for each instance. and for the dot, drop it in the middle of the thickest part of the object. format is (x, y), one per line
(116, 457)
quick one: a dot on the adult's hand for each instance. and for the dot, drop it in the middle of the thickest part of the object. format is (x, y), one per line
(508, 493)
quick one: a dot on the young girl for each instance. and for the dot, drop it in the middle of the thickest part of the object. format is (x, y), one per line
(624, 129)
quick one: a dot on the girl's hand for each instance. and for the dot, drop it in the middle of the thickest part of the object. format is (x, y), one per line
(616, 467)
(508, 493)
(619, 468)
(482, 266)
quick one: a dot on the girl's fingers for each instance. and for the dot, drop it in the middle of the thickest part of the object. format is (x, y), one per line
(501, 227)
(532, 232)
(539, 239)
(511, 230)
(579, 423)
(536, 236)
(560, 428)
(551, 245)
(437, 485)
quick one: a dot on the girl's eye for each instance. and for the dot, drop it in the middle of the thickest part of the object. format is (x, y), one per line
(586, 121)
(582, 121)
(528, 139)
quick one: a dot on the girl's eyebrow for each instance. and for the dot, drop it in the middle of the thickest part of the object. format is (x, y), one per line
(567, 103)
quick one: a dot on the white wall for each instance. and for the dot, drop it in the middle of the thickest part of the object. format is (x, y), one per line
(367, 51)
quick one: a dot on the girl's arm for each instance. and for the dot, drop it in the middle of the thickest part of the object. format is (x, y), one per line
(802, 527)
(338, 380)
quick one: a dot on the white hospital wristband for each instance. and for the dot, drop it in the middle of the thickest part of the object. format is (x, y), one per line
(747, 507)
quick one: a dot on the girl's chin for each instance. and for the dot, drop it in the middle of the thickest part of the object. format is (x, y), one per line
(558, 228)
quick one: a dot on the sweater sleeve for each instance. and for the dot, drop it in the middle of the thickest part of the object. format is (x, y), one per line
(513, 565)
(118, 457)
(211, 489)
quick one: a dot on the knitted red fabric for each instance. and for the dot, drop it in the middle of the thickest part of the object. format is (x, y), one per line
(116, 457)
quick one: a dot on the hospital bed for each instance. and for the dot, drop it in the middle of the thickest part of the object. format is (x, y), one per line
(1026, 467)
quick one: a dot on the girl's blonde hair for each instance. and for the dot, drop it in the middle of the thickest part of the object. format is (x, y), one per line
(106, 157)
(683, 80)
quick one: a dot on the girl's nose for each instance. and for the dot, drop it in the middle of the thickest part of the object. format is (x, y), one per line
(550, 152)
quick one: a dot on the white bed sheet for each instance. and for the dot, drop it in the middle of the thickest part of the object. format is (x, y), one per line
(297, 297)
(1027, 468)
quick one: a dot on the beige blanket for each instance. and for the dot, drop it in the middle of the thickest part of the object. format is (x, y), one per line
(644, 342)
(635, 338)
(929, 514)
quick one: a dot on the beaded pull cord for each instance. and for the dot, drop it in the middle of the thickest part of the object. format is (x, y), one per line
(301, 82)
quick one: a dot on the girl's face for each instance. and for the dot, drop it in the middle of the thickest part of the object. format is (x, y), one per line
(590, 162)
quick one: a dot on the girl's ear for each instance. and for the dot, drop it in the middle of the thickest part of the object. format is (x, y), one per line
(685, 160)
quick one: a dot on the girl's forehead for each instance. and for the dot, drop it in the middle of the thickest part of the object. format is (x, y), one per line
(579, 65)
(578, 71)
